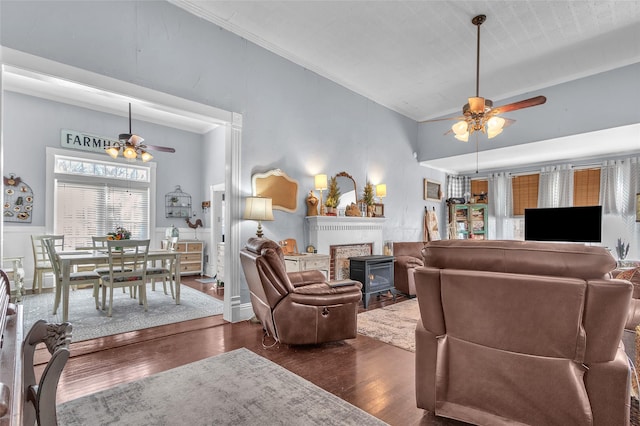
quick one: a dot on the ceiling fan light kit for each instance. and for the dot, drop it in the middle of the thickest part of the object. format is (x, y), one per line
(132, 146)
(479, 115)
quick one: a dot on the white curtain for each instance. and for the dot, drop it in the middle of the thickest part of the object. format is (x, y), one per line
(610, 173)
(500, 207)
(457, 186)
(619, 184)
(555, 187)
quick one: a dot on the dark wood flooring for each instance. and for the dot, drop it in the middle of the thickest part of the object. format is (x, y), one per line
(377, 377)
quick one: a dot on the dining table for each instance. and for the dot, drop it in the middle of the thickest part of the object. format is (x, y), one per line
(69, 259)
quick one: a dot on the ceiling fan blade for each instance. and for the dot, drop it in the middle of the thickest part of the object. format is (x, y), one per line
(508, 122)
(441, 119)
(538, 100)
(158, 148)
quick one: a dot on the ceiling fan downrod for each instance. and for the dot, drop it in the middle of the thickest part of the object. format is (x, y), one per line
(477, 21)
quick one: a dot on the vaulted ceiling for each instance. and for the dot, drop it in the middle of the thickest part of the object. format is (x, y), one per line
(419, 57)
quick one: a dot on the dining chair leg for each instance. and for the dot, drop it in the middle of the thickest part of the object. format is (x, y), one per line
(110, 300)
(143, 296)
(96, 292)
(104, 297)
(35, 280)
(171, 285)
(56, 301)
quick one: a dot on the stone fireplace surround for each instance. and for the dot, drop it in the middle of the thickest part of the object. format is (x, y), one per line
(326, 233)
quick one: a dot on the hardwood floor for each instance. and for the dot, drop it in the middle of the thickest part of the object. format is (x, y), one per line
(377, 377)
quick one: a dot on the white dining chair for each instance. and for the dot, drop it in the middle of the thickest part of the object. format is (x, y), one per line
(166, 271)
(127, 268)
(83, 277)
(41, 263)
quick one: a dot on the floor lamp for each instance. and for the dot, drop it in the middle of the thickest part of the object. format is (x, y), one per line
(321, 185)
(258, 208)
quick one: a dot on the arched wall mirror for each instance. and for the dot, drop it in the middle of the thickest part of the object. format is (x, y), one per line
(348, 189)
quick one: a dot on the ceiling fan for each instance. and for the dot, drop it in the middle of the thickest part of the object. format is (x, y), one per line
(479, 115)
(133, 146)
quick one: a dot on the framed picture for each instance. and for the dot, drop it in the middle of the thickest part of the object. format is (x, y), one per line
(378, 210)
(432, 190)
(638, 207)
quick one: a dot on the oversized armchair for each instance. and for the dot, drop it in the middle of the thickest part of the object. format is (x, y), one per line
(521, 333)
(408, 256)
(298, 307)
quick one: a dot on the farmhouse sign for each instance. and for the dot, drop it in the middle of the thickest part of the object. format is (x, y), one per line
(84, 141)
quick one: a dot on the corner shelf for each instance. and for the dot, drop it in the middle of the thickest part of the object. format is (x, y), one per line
(177, 204)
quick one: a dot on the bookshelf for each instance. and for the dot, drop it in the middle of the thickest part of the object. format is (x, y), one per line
(468, 221)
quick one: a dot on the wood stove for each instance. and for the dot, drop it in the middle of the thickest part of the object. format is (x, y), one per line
(375, 273)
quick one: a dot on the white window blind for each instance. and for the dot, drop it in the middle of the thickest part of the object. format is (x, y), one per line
(94, 204)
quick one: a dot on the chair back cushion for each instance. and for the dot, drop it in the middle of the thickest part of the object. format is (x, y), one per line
(520, 257)
(264, 268)
(413, 249)
(521, 316)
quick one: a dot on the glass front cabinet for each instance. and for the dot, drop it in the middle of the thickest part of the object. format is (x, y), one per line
(468, 221)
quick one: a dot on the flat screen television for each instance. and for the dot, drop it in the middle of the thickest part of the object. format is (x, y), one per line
(571, 224)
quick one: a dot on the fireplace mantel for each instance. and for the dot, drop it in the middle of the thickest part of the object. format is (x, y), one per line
(326, 231)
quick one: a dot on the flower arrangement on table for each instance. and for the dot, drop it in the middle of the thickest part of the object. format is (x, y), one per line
(120, 233)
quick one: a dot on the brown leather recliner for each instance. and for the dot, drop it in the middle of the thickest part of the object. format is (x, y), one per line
(298, 307)
(521, 332)
(407, 256)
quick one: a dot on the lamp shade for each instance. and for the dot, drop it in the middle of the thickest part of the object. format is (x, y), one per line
(381, 190)
(258, 208)
(321, 182)
(113, 151)
(129, 153)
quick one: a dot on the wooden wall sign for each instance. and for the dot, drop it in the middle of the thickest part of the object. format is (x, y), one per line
(275, 184)
(432, 190)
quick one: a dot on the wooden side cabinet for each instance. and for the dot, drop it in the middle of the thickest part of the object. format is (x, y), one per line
(191, 260)
(308, 262)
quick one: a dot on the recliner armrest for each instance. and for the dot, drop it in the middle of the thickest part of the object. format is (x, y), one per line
(302, 278)
(408, 262)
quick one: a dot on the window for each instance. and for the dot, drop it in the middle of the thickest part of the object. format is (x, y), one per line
(525, 193)
(480, 187)
(93, 197)
(586, 187)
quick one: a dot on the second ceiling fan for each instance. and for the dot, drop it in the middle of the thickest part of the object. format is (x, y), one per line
(479, 115)
(133, 146)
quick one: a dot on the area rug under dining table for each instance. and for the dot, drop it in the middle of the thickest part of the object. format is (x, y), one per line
(128, 315)
(234, 388)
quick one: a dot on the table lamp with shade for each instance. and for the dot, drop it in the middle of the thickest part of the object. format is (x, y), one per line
(258, 208)
(320, 185)
(381, 190)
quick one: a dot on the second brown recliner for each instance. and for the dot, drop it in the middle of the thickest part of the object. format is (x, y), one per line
(298, 307)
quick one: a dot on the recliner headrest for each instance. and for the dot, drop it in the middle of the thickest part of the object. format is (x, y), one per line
(257, 245)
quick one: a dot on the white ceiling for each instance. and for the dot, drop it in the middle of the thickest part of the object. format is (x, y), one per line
(419, 57)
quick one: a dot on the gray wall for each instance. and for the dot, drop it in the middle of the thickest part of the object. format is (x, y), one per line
(31, 124)
(293, 119)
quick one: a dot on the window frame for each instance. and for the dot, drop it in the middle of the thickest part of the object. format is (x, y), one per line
(50, 177)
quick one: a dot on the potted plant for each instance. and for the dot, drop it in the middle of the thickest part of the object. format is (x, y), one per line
(333, 196)
(368, 198)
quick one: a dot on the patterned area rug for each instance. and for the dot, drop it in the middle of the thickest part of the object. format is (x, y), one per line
(394, 324)
(234, 388)
(128, 315)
